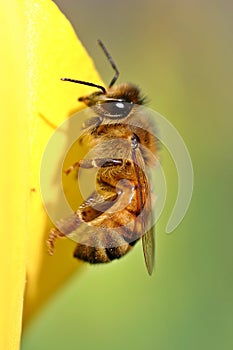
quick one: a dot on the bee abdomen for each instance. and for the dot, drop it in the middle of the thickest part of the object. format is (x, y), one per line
(96, 255)
(92, 255)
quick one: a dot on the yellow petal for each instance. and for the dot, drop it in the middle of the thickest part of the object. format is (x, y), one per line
(38, 47)
(14, 181)
(53, 51)
(14, 166)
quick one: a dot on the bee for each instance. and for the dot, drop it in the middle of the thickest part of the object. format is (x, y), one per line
(119, 212)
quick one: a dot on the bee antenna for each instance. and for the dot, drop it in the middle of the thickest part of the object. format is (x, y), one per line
(111, 62)
(85, 83)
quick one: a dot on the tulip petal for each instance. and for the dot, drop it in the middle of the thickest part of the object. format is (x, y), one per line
(38, 47)
(53, 51)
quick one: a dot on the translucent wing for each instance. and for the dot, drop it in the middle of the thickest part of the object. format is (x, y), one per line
(146, 219)
(148, 243)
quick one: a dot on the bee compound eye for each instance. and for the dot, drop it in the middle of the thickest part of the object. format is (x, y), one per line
(115, 109)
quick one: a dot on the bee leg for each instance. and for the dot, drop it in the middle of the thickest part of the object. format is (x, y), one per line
(94, 163)
(54, 233)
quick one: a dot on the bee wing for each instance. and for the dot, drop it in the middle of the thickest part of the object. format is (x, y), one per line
(148, 243)
(148, 240)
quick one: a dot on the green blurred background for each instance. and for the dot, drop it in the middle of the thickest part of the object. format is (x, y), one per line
(180, 53)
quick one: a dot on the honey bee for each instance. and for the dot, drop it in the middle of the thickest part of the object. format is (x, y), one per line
(119, 212)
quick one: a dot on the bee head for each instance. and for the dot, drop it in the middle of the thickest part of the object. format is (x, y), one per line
(126, 92)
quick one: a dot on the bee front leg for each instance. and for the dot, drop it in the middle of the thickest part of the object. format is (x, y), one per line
(94, 163)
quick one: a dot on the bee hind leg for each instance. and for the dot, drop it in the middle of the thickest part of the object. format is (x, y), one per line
(54, 233)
